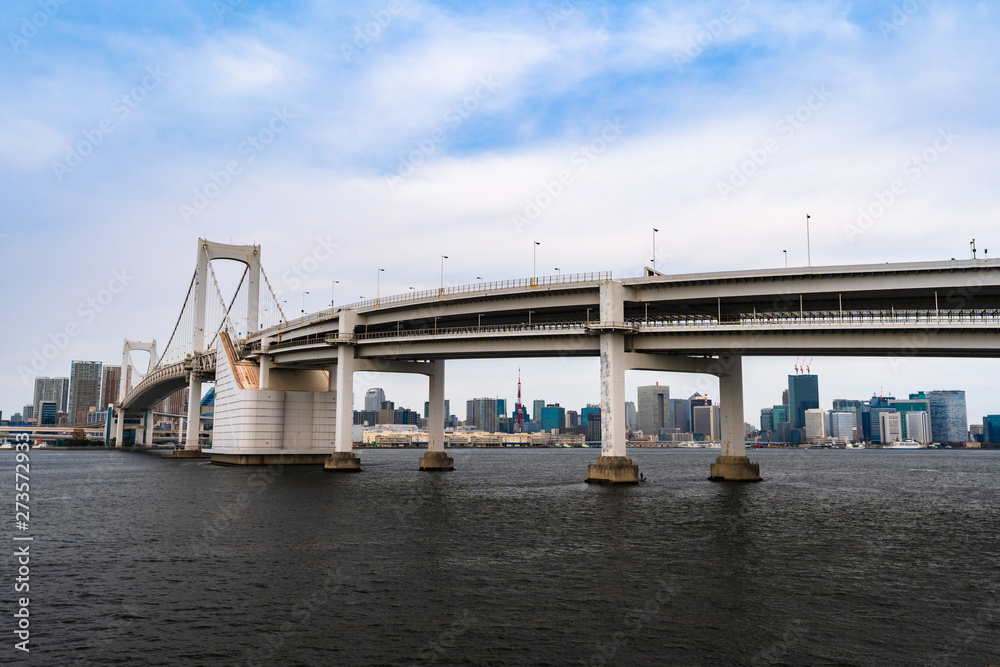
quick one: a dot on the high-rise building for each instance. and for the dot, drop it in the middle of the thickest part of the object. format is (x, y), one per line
(28, 412)
(815, 424)
(680, 414)
(779, 414)
(841, 425)
(876, 420)
(52, 389)
(481, 413)
(573, 419)
(47, 413)
(991, 428)
(553, 417)
(654, 409)
(803, 394)
(84, 389)
(949, 422)
(447, 409)
(916, 403)
(536, 410)
(374, 398)
(766, 420)
(593, 425)
(890, 426)
(706, 420)
(855, 408)
(502, 407)
(631, 416)
(917, 426)
(110, 385)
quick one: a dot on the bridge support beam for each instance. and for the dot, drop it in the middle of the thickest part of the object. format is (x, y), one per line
(435, 457)
(733, 465)
(343, 458)
(147, 435)
(194, 412)
(119, 428)
(614, 466)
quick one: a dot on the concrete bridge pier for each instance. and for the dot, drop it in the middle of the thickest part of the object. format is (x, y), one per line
(435, 457)
(733, 465)
(614, 466)
(194, 412)
(147, 435)
(119, 427)
(343, 458)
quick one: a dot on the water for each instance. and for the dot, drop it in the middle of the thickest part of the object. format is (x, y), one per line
(838, 557)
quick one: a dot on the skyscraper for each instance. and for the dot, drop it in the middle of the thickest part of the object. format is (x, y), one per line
(949, 422)
(654, 409)
(536, 410)
(917, 426)
(706, 419)
(890, 426)
(803, 394)
(374, 398)
(815, 424)
(481, 413)
(553, 417)
(110, 385)
(84, 389)
(916, 403)
(680, 414)
(631, 417)
(52, 389)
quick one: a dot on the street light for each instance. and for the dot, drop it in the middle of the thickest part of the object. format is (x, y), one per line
(333, 293)
(534, 262)
(378, 275)
(654, 248)
(304, 302)
(786, 258)
(443, 257)
(808, 250)
(557, 271)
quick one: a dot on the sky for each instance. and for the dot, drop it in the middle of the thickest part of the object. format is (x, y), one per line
(389, 133)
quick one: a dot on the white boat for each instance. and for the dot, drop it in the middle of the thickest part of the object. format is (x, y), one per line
(906, 444)
(851, 445)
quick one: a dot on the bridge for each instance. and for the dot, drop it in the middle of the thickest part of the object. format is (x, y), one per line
(278, 381)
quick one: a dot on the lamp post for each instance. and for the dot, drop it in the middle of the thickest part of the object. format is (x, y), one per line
(534, 262)
(557, 272)
(808, 249)
(304, 303)
(333, 294)
(443, 257)
(654, 247)
(378, 275)
(786, 258)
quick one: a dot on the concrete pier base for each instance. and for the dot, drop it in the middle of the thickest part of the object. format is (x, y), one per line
(613, 470)
(734, 469)
(268, 459)
(186, 454)
(436, 461)
(342, 462)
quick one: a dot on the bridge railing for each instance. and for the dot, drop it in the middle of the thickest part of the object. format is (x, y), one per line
(833, 317)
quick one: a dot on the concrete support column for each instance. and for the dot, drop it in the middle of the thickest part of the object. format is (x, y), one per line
(733, 464)
(147, 435)
(119, 428)
(343, 458)
(435, 457)
(614, 466)
(194, 412)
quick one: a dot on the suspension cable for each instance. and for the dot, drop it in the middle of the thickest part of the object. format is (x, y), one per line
(274, 296)
(194, 276)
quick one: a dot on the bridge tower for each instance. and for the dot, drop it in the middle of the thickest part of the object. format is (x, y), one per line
(130, 377)
(207, 252)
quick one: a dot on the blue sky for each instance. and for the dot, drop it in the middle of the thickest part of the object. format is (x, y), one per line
(407, 130)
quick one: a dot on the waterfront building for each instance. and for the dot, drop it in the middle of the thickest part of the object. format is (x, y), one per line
(841, 425)
(949, 422)
(654, 409)
(707, 420)
(573, 419)
(84, 389)
(631, 417)
(766, 420)
(536, 410)
(815, 424)
(917, 426)
(890, 426)
(481, 413)
(374, 398)
(991, 429)
(803, 394)
(110, 385)
(680, 414)
(553, 417)
(52, 389)
(593, 425)
(916, 403)
(47, 411)
(856, 408)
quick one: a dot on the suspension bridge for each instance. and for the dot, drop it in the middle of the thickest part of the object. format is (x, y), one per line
(284, 388)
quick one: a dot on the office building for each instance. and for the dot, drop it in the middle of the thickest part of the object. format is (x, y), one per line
(841, 425)
(447, 410)
(553, 417)
(916, 403)
(815, 420)
(803, 394)
(949, 422)
(28, 412)
(680, 414)
(631, 416)
(374, 398)
(856, 409)
(890, 427)
(482, 414)
(536, 410)
(991, 429)
(917, 426)
(706, 420)
(47, 411)
(766, 420)
(654, 409)
(593, 425)
(110, 385)
(84, 389)
(52, 389)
